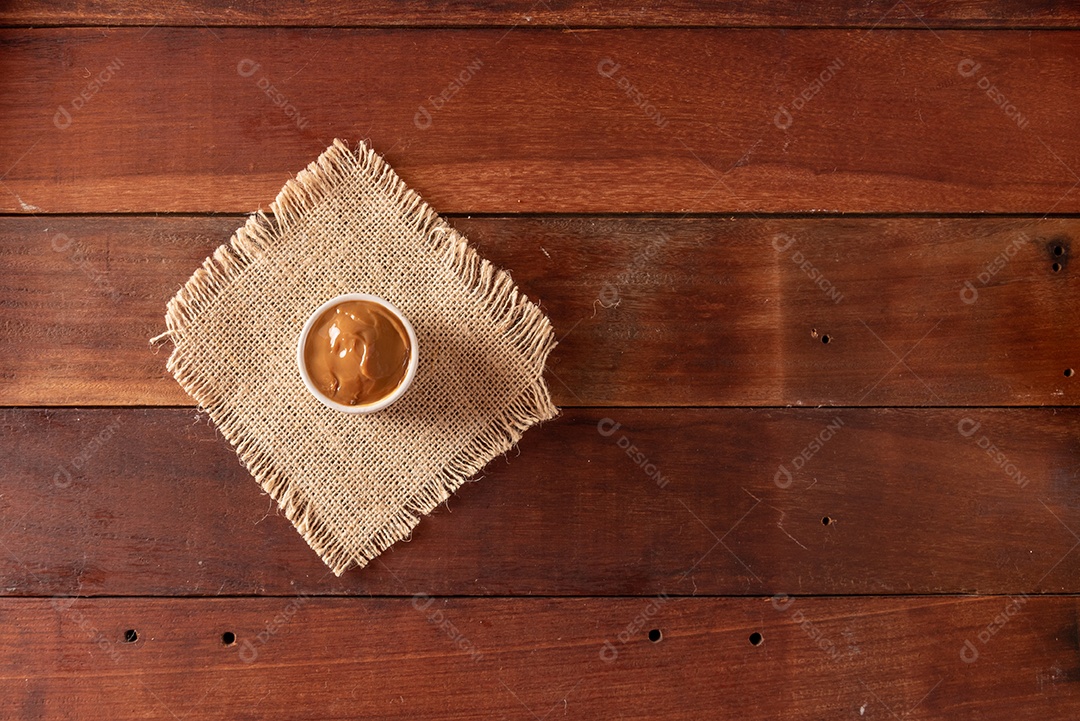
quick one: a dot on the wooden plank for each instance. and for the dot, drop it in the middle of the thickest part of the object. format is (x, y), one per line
(498, 121)
(533, 13)
(651, 311)
(723, 501)
(870, 658)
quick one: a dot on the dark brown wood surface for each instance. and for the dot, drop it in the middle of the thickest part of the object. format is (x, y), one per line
(430, 657)
(546, 120)
(550, 13)
(700, 195)
(719, 501)
(650, 311)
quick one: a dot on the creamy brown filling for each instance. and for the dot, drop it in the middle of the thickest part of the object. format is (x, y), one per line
(357, 352)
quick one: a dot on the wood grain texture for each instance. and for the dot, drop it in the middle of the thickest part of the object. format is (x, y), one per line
(650, 311)
(522, 120)
(867, 204)
(871, 658)
(726, 501)
(880, 14)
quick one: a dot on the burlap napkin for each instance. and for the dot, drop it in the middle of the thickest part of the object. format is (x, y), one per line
(354, 484)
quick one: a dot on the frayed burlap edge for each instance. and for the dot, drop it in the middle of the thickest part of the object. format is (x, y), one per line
(521, 321)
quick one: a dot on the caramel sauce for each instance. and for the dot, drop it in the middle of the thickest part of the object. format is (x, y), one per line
(357, 352)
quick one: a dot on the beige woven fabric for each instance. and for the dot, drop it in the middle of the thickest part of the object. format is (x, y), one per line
(354, 484)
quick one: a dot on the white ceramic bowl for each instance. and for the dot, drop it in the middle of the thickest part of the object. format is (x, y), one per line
(410, 373)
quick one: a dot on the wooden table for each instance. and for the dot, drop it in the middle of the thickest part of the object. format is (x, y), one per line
(810, 268)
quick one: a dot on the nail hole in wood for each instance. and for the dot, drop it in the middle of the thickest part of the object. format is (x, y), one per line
(1058, 250)
(655, 635)
(825, 338)
(1068, 372)
(131, 636)
(228, 638)
(826, 521)
(1055, 267)
(756, 639)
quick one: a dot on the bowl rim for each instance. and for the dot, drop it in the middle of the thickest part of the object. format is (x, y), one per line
(410, 372)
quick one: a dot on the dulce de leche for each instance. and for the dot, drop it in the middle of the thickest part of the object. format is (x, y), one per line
(357, 352)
